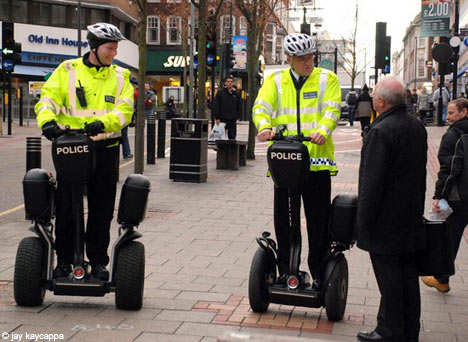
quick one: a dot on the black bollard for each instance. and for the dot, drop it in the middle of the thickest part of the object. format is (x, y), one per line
(151, 139)
(162, 135)
(33, 153)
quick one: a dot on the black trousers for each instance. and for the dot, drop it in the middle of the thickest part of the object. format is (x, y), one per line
(316, 200)
(365, 122)
(400, 302)
(231, 127)
(456, 223)
(101, 199)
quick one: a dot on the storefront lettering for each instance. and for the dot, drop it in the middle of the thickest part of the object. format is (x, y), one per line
(176, 62)
(32, 38)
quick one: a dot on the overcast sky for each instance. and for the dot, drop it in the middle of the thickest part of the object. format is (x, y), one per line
(338, 18)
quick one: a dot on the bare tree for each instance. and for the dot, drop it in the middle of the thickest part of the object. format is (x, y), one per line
(256, 13)
(140, 121)
(349, 55)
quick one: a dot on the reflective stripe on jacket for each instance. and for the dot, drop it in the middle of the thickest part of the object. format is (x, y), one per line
(319, 103)
(108, 92)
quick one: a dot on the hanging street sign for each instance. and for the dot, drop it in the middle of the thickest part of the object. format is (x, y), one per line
(435, 18)
(7, 64)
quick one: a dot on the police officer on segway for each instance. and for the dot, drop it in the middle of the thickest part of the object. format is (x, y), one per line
(306, 100)
(90, 93)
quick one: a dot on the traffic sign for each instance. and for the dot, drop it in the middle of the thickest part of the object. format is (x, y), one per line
(7, 64)
(6, 51)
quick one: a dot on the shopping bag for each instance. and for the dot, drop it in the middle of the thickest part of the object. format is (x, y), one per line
(217, 133)
(437, 258)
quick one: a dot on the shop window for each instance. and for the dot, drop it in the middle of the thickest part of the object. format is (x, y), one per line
(173, 30)
(59, 15)
(153, 29)
(20, 10)
(243, 26)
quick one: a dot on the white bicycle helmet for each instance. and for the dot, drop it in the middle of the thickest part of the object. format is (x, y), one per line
(104, 31)
(298, 44)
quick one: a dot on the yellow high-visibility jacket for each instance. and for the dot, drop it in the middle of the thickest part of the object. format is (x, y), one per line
(319, 103)
(108, 92)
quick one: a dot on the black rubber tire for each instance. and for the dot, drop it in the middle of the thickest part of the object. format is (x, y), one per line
(261, 270)
(30, 272)
(130, 276)
(336, 291)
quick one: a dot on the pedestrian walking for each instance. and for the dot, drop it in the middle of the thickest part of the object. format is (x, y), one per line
(445, 99)
(452, 181)
(351, 101)
(423, 104)
(307, 100)
(227, 107)
(409, 100)
(392, 184)
(105, 108)
(364, 109)
(150, 100)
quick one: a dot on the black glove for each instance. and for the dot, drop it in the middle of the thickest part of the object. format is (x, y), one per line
(51, 130)
(94, 128)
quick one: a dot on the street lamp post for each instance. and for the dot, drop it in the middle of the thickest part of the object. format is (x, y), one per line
(415, 58)
(79, 28)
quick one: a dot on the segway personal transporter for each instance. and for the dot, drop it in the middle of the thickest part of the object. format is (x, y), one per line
(74, 160)
(289, 163)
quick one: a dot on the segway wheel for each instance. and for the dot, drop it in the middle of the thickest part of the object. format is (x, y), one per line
(130, 276)
(336, 292)
(262, 273)
(30, 272)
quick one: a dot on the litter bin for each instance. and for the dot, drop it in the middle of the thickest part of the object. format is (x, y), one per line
(189, 150)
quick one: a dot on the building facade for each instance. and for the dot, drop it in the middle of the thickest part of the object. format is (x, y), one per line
(168, 34)
(48, 33)
(417, 58)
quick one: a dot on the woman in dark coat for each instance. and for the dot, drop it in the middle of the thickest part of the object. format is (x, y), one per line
(364, 108)
(452, 182)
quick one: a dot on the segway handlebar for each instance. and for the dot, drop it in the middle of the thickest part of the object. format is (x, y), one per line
(67, 130)
(281, 137)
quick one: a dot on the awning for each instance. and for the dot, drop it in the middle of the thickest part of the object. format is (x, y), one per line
(29, 70)
(462, 71)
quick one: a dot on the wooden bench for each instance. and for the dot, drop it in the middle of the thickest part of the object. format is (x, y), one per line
(231, 154)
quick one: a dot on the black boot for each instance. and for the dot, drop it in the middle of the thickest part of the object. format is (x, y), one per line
(100, 271)
(62, 270)
(372, 336)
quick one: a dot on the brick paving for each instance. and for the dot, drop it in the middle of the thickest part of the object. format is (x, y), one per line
(200, 239)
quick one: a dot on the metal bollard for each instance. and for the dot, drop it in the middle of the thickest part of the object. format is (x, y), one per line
(151, 139)
(33, 153)
(162, 135)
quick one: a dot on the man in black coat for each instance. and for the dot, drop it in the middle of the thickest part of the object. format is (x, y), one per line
(392, 185)
(227, 107)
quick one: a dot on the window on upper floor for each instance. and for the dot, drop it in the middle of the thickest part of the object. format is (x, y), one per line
(174, 1)
(243, 26)
(227, 30)
(422, 42)
(421, 65)
(153, 30)
(174, 25)
(40, 13)
(59, 15)
(155, 1)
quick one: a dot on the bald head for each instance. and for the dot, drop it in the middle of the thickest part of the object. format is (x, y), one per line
(388, 93)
